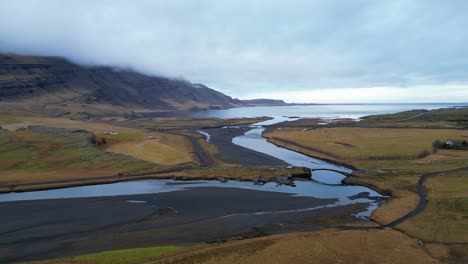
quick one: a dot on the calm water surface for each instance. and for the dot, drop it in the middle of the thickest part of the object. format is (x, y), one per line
(325, 111)
(253, 140)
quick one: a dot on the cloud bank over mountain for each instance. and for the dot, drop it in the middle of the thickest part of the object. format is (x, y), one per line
(250, 48)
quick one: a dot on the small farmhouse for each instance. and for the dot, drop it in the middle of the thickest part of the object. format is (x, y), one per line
(449, 143)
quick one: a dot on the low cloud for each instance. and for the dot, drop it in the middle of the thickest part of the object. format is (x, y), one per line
(262, 47)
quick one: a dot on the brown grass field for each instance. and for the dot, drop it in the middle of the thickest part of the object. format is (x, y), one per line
(50, 154)
(57, 151)
(327, 246)
(156, 147)
(445, 218)
(388, 160)
(357, 144)
(404, 198)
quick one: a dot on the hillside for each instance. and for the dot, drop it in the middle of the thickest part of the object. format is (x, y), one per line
(58, 86)
(264, 102)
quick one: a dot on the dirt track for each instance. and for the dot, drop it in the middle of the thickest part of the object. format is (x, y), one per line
(422, 195)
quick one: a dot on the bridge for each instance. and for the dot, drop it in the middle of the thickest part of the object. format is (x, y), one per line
(347, 174)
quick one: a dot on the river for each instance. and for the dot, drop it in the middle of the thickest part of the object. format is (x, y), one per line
(324, 184)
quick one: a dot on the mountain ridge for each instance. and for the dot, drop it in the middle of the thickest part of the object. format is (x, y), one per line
(56, 83)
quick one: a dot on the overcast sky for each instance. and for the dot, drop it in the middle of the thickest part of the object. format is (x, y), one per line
(301, 51)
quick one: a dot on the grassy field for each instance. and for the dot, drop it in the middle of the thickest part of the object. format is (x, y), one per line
(160, 148)
(439, 118)
(445, 117)
(445, 218)
(237, 172)
(327, 246)
(403, 192)
(93, 127)
(125, 256)
(350, 144)
(41, 153)
(385, 158)
(448, 254)
(397, 117)
(61, 149)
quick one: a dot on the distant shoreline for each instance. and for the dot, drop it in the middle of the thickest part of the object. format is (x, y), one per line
(305, 104)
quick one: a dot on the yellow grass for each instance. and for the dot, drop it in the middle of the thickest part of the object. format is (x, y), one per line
(392, 151)
(165, 149)
(369, 143)
(387, 159)
(445, 218)
(398, 206)
(53, 154)
(34, 157)
(448, 254)
(328, 246)
(403, 196)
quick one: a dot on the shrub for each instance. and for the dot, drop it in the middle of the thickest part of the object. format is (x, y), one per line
(423, 154)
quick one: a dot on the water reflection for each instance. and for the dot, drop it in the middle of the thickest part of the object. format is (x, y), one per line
(328, 177)
(253, 140)
(325, 184)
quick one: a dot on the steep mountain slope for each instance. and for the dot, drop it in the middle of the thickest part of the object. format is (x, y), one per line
(55, 83)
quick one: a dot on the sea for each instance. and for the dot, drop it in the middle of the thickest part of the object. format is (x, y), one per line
(354, 111)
